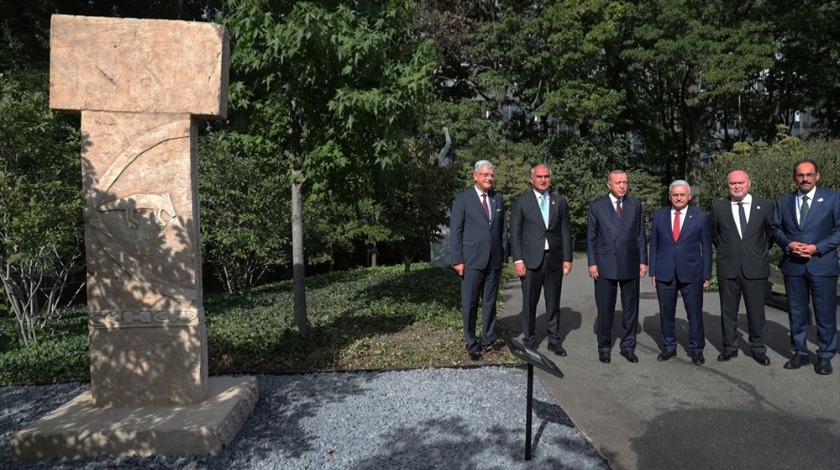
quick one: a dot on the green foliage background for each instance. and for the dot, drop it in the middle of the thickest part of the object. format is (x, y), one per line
(350, 311)
(349, 100)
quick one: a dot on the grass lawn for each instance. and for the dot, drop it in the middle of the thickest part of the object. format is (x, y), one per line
(370, 318)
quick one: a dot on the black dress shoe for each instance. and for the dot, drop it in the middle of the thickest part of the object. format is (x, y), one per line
(798, 361)
(666, 354)
(630, 356)
(475, 355)
(823, 366)
(761, 358)
(727, 355)
(494, 346)
(697, 358)
(558, 350)
(604, 357)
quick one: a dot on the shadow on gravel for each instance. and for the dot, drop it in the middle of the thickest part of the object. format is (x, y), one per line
(714, 438)
(452, 446)
(318, 421)
(293, 404)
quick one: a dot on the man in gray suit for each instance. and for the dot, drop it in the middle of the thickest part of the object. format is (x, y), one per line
(478, 237)
(542, 253)
(616, 249)
(742, 232)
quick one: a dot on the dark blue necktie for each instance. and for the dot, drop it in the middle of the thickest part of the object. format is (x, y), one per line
(742, 216)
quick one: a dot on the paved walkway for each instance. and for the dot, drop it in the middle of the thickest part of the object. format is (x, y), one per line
(675, 415)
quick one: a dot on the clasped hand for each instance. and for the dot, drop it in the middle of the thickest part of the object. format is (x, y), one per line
(802, 250)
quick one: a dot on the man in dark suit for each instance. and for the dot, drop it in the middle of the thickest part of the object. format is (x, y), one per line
(681, 261)
(478, 236)
(742, 233)
(806, 225)
(542, 252)
(616, 250)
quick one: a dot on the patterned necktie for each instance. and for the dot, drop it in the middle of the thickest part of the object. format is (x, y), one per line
(486, 207)
(803, 212)
(742, 217)
(618, 208)
(676, 225)
(544, 208)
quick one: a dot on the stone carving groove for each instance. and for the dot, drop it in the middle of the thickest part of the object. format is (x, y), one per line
(99, 189)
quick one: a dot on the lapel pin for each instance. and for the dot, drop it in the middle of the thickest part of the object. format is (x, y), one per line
(757, 207)
(820, 200)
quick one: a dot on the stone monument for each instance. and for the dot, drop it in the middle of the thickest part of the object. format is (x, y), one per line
(140, 85)
(441, 253)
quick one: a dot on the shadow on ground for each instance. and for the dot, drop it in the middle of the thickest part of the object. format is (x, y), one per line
(729, 439)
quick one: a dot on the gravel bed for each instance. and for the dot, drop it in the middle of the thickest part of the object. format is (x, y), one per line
(415, 419)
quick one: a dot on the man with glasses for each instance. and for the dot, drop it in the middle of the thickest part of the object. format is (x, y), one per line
(478, 237)
(542, 252)
(806, 225)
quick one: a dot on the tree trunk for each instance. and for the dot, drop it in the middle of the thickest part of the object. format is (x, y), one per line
(298, 262)
(408, 257)
(694, 115)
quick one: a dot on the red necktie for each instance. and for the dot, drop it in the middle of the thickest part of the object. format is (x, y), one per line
(676, 225)
(486, 207)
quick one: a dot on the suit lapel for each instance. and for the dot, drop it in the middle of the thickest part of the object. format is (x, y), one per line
(686, 224)
(491, 196)
(730, 218)
(605, 206)
(791, 207)
(816, 207)
(756, 214)
(552, 209)
(476, 202)
(666, 223)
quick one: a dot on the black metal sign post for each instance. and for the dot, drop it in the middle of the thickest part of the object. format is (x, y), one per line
(532, 358)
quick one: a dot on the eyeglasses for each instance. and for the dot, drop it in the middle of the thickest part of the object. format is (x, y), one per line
(489, 176)
(542, 177)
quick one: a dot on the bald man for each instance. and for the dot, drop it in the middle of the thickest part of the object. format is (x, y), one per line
(742, 232)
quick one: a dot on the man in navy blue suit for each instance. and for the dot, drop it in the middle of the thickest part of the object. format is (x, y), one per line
(681, 261)
(478, 236)
(616, 250)
(806, 225)
(541, 245)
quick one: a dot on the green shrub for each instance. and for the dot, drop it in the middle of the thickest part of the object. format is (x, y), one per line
(353, 314)
(49, 361)
(771, 167)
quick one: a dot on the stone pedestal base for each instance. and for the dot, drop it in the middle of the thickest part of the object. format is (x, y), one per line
(77, 429)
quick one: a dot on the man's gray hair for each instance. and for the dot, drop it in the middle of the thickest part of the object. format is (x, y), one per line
(679, 183)
(540, 165)
(615, 172)
(483, 163)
